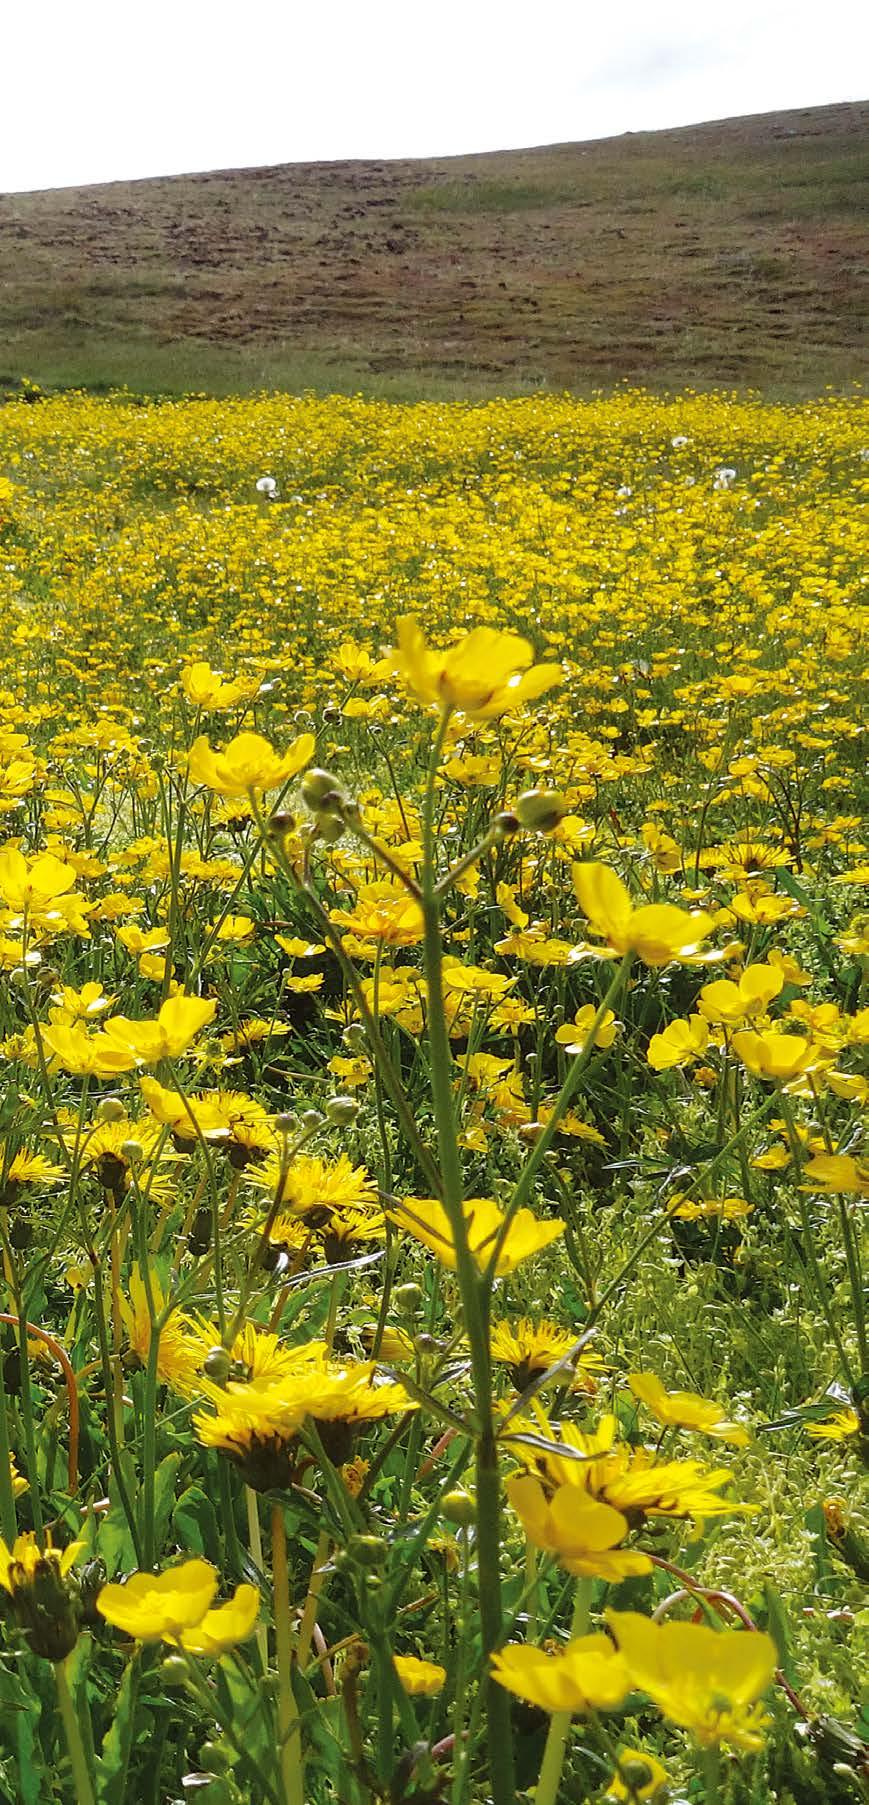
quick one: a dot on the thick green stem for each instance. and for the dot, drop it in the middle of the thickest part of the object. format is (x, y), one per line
(84, 1791)
(710, 1762)
(559, 1727)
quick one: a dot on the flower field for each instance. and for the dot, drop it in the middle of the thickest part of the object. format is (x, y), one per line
(433, 954)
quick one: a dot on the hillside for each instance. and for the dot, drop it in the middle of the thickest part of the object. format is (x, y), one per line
(728, 253)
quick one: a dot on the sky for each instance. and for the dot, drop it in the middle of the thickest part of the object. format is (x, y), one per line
(96, 92)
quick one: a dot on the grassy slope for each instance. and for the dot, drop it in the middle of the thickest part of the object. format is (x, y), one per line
(725, 253)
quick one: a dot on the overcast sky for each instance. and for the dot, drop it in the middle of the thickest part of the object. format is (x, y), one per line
(94, 91)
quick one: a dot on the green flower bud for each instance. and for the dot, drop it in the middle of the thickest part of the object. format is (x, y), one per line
(407, 1299)
(217, 1365)
(459, 1506)
(541, 810)
(110, 1109)
(341, 1111)
(367, 1550)
(330, 828)
(319, 789)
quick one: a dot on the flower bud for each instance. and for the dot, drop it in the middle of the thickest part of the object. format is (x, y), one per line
(505, 824)
(367, 1550)
(342, 1111)
(310, 1119)
(354, 1038)
(407, 1299)
(280, 823)
(217, 1364)
(133, 1152)
(459, 1506)
(541, 810)
(174, 1670)
(110, 1109)
(319, 788)
(330, 828)
(286, 1122)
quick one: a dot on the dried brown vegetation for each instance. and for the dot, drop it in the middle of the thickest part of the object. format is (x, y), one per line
(728, 253)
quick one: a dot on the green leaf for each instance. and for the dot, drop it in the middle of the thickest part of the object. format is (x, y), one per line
(164, 1496)
(777, 1624)
(114, 1760)
(20, 1711)
(195, 1523)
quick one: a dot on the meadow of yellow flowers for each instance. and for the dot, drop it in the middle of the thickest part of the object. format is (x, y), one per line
(433, 947)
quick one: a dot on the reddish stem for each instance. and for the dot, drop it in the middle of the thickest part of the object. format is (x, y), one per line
(71, 1392)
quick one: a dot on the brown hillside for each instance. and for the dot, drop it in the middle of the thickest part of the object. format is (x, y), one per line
(728, 253)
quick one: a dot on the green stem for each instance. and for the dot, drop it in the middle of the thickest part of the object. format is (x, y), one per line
(562, 1103)
(288, 1728)
(474, 1296)
(710, 1763)
(798, 1155)
(8, 1518)
(559, 1728)
(84, 1791)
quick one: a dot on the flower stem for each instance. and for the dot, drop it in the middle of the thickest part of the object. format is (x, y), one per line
(559, 1727)
(288, 1729)
(255, 1543)
(710, 1761)
(474, 1296)
(84, 1791)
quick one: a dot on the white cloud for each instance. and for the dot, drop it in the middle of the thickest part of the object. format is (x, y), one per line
(99, 91)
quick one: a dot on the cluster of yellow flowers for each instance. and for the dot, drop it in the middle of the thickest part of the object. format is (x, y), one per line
(432, 1014)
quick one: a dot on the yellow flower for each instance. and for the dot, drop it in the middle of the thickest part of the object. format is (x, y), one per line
(178, 1022)
(23, 1564)
(773, 1056)
(151, 1607)
(530, 1348)
(26, 1169)
(685, 1409)
(44, 1592)
(204, 688)
(87, 1055)
(588, 1675)
(836, 1174)
(178, 1355)
(422, 1679)
(728, 1209)
(838, 1427)
(656, 932)
(428, 1221)
(678, 1044)
(582, 1531)
(574, 1034)
(383, 911)
(310, 1185)
(223, 1627)
(637, 1776)
(730, 1003)
(484, 675)
(248, 766)
(706, 1681)
(19, 1483)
